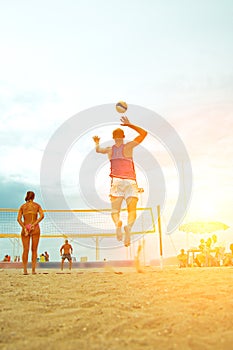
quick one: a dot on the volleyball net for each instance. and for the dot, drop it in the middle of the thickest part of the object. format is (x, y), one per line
(77, 223)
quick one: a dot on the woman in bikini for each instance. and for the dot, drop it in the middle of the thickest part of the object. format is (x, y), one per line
(32, 214)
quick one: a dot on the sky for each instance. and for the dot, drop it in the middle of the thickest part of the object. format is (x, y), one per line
(173, 57)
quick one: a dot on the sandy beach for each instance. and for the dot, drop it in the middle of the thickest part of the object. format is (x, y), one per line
(117, 308)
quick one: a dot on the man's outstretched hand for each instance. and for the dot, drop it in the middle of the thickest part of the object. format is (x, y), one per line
(96, 139)
(125, 121)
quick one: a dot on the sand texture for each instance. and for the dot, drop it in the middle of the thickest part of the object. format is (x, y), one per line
(98, 309)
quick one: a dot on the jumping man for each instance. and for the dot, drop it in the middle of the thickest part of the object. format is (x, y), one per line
(123, 184)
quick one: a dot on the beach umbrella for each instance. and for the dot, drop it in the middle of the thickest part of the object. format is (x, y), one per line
(203, 227)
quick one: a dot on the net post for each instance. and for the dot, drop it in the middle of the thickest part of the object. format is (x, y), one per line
(97, 248)
(160, 237)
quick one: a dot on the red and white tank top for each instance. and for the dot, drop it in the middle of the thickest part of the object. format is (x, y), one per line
(121, 166)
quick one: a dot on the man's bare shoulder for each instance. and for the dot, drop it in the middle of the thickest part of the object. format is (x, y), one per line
(131, 144)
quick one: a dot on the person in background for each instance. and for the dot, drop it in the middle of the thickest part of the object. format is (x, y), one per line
(42, 258)
(214, 242)
(29, 216)
(65, 251)
(202, 244)
(46, 254)
(182, 258)
(200, 259)
(228, 257)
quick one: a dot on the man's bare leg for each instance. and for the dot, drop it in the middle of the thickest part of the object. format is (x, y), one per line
(70, 264)
(131, 207)
(116, 208)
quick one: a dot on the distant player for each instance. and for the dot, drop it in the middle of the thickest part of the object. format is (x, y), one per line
(65, 251)
(124, 184)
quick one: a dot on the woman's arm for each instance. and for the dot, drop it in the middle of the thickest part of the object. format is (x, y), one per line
(41, 217)
(19, 217)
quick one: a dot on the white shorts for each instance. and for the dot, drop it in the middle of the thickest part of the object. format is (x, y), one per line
(123, 188)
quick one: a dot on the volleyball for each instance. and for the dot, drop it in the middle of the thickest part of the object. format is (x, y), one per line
(121, 107)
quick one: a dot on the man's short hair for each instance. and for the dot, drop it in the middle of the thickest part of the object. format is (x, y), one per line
(118, 134)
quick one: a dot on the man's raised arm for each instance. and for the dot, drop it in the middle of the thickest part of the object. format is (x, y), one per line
(97, 146)
(142, 133)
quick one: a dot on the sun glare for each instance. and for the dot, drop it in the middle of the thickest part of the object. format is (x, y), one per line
(207, 210)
